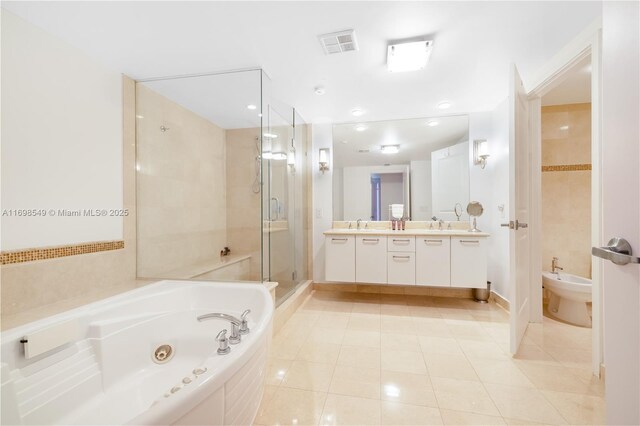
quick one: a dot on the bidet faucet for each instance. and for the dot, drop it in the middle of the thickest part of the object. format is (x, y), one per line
(554, 266)
(236, 323)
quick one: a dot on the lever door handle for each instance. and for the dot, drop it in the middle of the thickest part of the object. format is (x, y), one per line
(617, 250)
(509, 225)
(521, 225)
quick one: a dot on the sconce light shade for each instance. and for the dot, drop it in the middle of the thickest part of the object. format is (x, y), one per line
(480, 152)
(323, 159)
(291, 158)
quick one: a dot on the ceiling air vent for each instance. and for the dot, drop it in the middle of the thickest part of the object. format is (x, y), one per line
(339, 42)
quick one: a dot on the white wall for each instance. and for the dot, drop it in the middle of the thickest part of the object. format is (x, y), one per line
(490, 186)
(321, 137)
(421, 190)
(61, 139)
(338, 194)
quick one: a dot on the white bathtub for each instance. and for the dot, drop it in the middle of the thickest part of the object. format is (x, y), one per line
(107, 375)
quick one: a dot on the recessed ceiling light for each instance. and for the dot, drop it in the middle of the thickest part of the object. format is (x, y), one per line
(361, 127)
(564, 127)
(390, 149)
(357, 112)
(432, 123)
(408, 56)
(270, 135)
(251, 106)
(444, 105)
(319, 90)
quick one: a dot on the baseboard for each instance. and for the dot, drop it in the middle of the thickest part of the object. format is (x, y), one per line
(499, 300)
(409, 290)
(289, 306)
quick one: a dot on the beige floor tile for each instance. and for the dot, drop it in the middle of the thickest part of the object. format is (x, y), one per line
(555, 378)
(469, 331)
(395, 310)
(578, 409)
(349, 410)
(364, 322)
(534, 354)
(284, 349)
(407, 388)
(394, 413)
(516, 402)
(293, 406)
(482, 349)
(437, 328)
(325, 335)
(504, 372)
(395, 324)
(276, 370)
(356, 381)
(404, 361)
(366, 308)
(450, 417)
(319, 352)
(267, 397)
(309, 376)
(333, 320)
(463, 395)
(366, 339)
(406, 342)
(450, 366)
(440, 345)
(356, 356)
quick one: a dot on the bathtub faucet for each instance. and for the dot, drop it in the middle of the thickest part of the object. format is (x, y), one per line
(554, 266)
(236, 323)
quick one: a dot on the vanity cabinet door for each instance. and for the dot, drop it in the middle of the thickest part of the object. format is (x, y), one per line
(401, 268)
(469, 262)
(340, 258)
(433, 261)
(371, 259)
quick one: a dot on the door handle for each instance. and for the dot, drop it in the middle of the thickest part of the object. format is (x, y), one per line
(617, 250)
(521, 225)
(509, 225)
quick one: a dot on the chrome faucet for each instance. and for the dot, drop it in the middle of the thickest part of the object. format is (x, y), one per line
(555, 267)
(358, 223)
(236, 323)
(350, 225)
(440, 223)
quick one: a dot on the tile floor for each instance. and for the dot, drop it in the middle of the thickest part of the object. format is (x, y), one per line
(376, 359)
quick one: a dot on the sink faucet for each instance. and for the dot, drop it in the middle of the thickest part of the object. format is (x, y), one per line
(555, 267)
(236, 323)
(358, 223)
(440, 223)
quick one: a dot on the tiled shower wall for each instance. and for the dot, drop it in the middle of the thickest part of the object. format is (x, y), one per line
(182, 194)
(566, 187)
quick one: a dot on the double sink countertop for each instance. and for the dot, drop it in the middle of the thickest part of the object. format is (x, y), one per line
(413, 229)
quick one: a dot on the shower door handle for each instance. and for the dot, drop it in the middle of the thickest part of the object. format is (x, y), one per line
(617, 250)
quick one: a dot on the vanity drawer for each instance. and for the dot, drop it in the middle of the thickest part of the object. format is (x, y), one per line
(433, 261)
(401, 243)
(401, 268)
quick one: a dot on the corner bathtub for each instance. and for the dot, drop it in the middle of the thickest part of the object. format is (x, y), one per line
(106, 372)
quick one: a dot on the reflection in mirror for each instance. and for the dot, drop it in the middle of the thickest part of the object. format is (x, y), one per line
(420, 163)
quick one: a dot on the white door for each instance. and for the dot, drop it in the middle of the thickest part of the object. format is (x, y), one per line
(621, 207)
(519, 177)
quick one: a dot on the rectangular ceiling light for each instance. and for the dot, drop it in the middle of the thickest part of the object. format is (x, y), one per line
(408, 56)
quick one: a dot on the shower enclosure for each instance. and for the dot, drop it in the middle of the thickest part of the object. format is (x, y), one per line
(222, 181)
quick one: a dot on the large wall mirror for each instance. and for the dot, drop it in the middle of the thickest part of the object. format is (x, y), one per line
(421, 163)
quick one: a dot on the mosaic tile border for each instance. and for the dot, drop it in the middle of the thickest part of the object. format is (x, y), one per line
(30, 255)
(566, 168)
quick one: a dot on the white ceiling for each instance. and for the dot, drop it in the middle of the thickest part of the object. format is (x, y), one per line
(474, 43)
(574, 89)
(415, 137)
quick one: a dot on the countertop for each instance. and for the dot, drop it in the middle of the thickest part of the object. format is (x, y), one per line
(408, 232)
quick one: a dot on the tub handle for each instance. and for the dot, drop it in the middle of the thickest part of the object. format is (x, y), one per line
(221, 338)
(244, 326)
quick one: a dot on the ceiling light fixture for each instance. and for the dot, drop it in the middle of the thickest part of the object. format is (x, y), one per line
(251, 106)
(279, 156)
(361, 128)
(432, 123)
(270, 135)
(357, 112)
(319, 90)
(444, 105)
(390, 149)
(408, 56)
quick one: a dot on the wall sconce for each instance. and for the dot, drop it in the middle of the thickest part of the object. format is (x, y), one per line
(291, 159)
(480, 152)
(324, 159)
